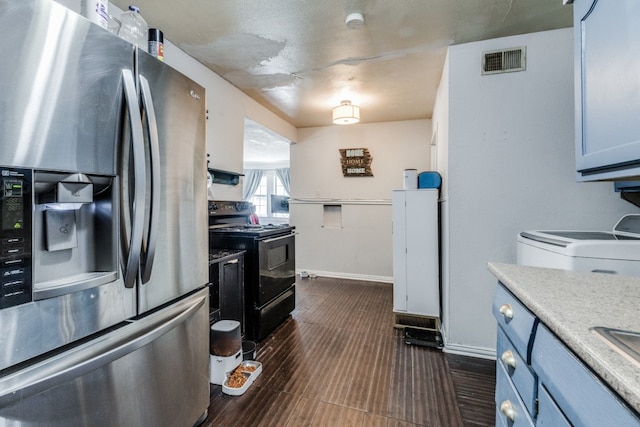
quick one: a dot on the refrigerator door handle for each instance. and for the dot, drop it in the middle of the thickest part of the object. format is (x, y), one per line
(137, 143)
(149, 244)
(74, 363)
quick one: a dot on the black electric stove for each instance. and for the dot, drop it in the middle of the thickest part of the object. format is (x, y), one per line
(269, 263)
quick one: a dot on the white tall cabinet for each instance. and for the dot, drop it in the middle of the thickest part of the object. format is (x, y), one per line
(416, 279)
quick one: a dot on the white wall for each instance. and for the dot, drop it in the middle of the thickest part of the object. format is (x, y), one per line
(510, 168)
(227, 108)
(440, 122)
(361, 247)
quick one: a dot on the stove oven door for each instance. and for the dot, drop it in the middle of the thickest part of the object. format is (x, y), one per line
(277, 267)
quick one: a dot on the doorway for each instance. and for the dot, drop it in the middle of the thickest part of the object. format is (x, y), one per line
(266, 169)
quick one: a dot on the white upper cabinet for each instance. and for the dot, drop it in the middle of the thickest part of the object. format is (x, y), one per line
(607, 89)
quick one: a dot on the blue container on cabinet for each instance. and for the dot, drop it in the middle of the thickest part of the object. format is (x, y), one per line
(429, 180)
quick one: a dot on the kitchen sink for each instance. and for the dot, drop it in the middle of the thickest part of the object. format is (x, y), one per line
(625, 342)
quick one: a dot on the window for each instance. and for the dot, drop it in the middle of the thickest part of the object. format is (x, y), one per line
(259, 199)
(269, 184)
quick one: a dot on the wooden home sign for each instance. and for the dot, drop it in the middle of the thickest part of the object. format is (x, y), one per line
(356, 162)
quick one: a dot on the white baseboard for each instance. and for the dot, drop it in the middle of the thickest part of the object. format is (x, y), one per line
(464, 350)
(351, 276)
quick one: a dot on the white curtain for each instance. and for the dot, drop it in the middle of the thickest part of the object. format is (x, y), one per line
(285, 177)
(251, 182)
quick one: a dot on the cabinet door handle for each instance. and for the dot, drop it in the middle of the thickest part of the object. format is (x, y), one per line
(507, 410)
(507, 311)
(508, 359)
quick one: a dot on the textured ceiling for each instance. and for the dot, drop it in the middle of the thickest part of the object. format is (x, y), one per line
(299, 59)
(263, 148)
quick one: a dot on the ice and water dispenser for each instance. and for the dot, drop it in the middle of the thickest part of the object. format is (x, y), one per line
(58, 234)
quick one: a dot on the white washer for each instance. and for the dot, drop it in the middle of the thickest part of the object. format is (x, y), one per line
(616, 252)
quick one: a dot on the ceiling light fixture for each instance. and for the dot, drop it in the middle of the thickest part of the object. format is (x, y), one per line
(346, 114)
(354, 20)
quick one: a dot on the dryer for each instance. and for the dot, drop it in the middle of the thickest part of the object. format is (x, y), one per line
(616, 251)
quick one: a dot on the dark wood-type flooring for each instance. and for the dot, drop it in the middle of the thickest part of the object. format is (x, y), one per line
(338, 361)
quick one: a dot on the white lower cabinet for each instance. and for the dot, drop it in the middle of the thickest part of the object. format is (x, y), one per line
(416, 278)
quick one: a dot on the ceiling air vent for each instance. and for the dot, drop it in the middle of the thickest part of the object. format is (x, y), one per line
(504, 60)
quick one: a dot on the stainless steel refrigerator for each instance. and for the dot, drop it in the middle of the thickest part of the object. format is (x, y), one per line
(103, 228)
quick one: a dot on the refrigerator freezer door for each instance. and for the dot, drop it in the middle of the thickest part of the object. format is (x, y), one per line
(119, 379)
(61, 100)
(178, 222)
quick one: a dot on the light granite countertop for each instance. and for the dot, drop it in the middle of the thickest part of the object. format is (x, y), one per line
(569, 303)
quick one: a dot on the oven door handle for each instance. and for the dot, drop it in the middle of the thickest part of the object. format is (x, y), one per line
(275, 239)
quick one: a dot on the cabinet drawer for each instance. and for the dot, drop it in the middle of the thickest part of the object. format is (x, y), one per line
(510, 410)
(518, 371)
(515, 320)
(579, 393)
(549, 415)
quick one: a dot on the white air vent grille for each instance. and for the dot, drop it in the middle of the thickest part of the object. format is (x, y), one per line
(504, 61)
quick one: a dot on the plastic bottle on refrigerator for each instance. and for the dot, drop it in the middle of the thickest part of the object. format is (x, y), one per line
(96, 11)
(133, 27)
